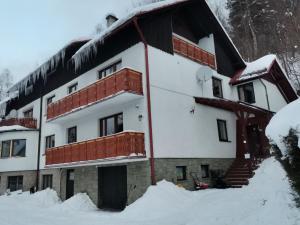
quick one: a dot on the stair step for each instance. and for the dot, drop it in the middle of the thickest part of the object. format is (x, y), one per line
(236, 186)
(236, 179)
(245, 182)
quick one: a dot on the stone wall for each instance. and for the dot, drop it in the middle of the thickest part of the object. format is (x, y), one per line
(29, 179)
(166, 169)
(57, 180)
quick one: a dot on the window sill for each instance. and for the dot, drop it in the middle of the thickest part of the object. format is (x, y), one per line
(225, 141)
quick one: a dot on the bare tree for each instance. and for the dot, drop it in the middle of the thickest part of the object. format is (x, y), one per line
(6, 81)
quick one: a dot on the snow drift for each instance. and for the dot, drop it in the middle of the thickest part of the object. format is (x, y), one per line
(281, 123)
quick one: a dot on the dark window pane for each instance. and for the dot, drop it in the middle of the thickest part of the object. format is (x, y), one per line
(15, 183)
(181, 173)
(47, 181)
(72, 134)
(205, 171)
(217, 88)
(110, 69)
(222, 130)
(50, 99)
(246, 93)
(110, 125)
(50, 141)
(5, 149)
(28, 113)
(72, 88)
(19, 148)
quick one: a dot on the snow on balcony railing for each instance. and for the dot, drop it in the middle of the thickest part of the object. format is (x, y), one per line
(24, 122)
(125, 80)
(193, 52)
(117, 146)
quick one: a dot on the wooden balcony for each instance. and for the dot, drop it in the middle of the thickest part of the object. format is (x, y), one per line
(24, 122)
(117, 146)
(193, 52)
(125, 80)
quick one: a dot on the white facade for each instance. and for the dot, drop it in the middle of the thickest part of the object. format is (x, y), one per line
(28, 162)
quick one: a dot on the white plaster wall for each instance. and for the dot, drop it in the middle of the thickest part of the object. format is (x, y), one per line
(88, 127)
(29, 162)
(177, 132)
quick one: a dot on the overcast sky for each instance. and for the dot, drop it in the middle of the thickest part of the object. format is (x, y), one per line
(33, 30)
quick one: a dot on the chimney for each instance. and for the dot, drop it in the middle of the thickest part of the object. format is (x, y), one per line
(110, 19)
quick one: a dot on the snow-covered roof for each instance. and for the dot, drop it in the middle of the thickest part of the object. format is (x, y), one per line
(87, 50)
(50, 64)
(13, 128)
(258, 67)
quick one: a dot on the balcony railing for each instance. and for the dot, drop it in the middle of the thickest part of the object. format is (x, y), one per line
(193, 52)
(125, 80)
(24, 122)
(121, 145)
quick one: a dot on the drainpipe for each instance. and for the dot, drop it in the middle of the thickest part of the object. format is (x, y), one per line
(39, 144)
(266, 91)
(152, 170)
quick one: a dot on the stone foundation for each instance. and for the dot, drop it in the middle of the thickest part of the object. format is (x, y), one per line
(29, 179)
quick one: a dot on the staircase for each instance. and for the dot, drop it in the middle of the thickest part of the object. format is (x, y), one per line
(240, 172)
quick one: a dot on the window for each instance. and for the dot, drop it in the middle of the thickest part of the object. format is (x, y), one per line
(110, 69)
(5, 149)
(217, 87)
(111, 125)
(18, 148)
(47, 181)
(50, 141)
(50, 99)
(28, 113)
(222, 130)
(181, 173)
(15, 183)
(72, 88)
(205, 171)
(72, 135)
(246, 93)
(13, 148)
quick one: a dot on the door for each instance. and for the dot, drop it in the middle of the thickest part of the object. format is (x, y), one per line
(70, 183)
(253, 140)
(112, 187)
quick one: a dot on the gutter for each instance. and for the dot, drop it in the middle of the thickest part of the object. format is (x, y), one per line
(152, 170)
(266, 91)
(39, 145)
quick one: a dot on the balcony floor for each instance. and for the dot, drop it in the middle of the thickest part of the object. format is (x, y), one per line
(117, 99)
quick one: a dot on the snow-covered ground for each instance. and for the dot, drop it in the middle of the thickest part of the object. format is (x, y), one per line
(266, 200)
(284, 120)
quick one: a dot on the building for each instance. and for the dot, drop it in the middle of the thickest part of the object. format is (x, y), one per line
(161, 94)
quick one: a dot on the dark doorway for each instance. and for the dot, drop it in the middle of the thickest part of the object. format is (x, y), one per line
(253, 140)
(112, 187)
(70, 184)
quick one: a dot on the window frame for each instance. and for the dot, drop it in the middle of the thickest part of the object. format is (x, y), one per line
(115, 64)
(242, 88)
(115, 117)
(50, 99)
(47, 183)
(28, 111)
(68, 131)
(46, 141)
(184, 173)
(219, 121)
(70, 87)
(11, 148)
(17, 182)
(214, 79)
(205, 166)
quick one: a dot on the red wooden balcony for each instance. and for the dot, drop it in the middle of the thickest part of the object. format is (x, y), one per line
(24, 122)
(193, 52)
(125, 80)
(121, 145)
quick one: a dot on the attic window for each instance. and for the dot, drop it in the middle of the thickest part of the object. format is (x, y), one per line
(110, 69)
(246, 93)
